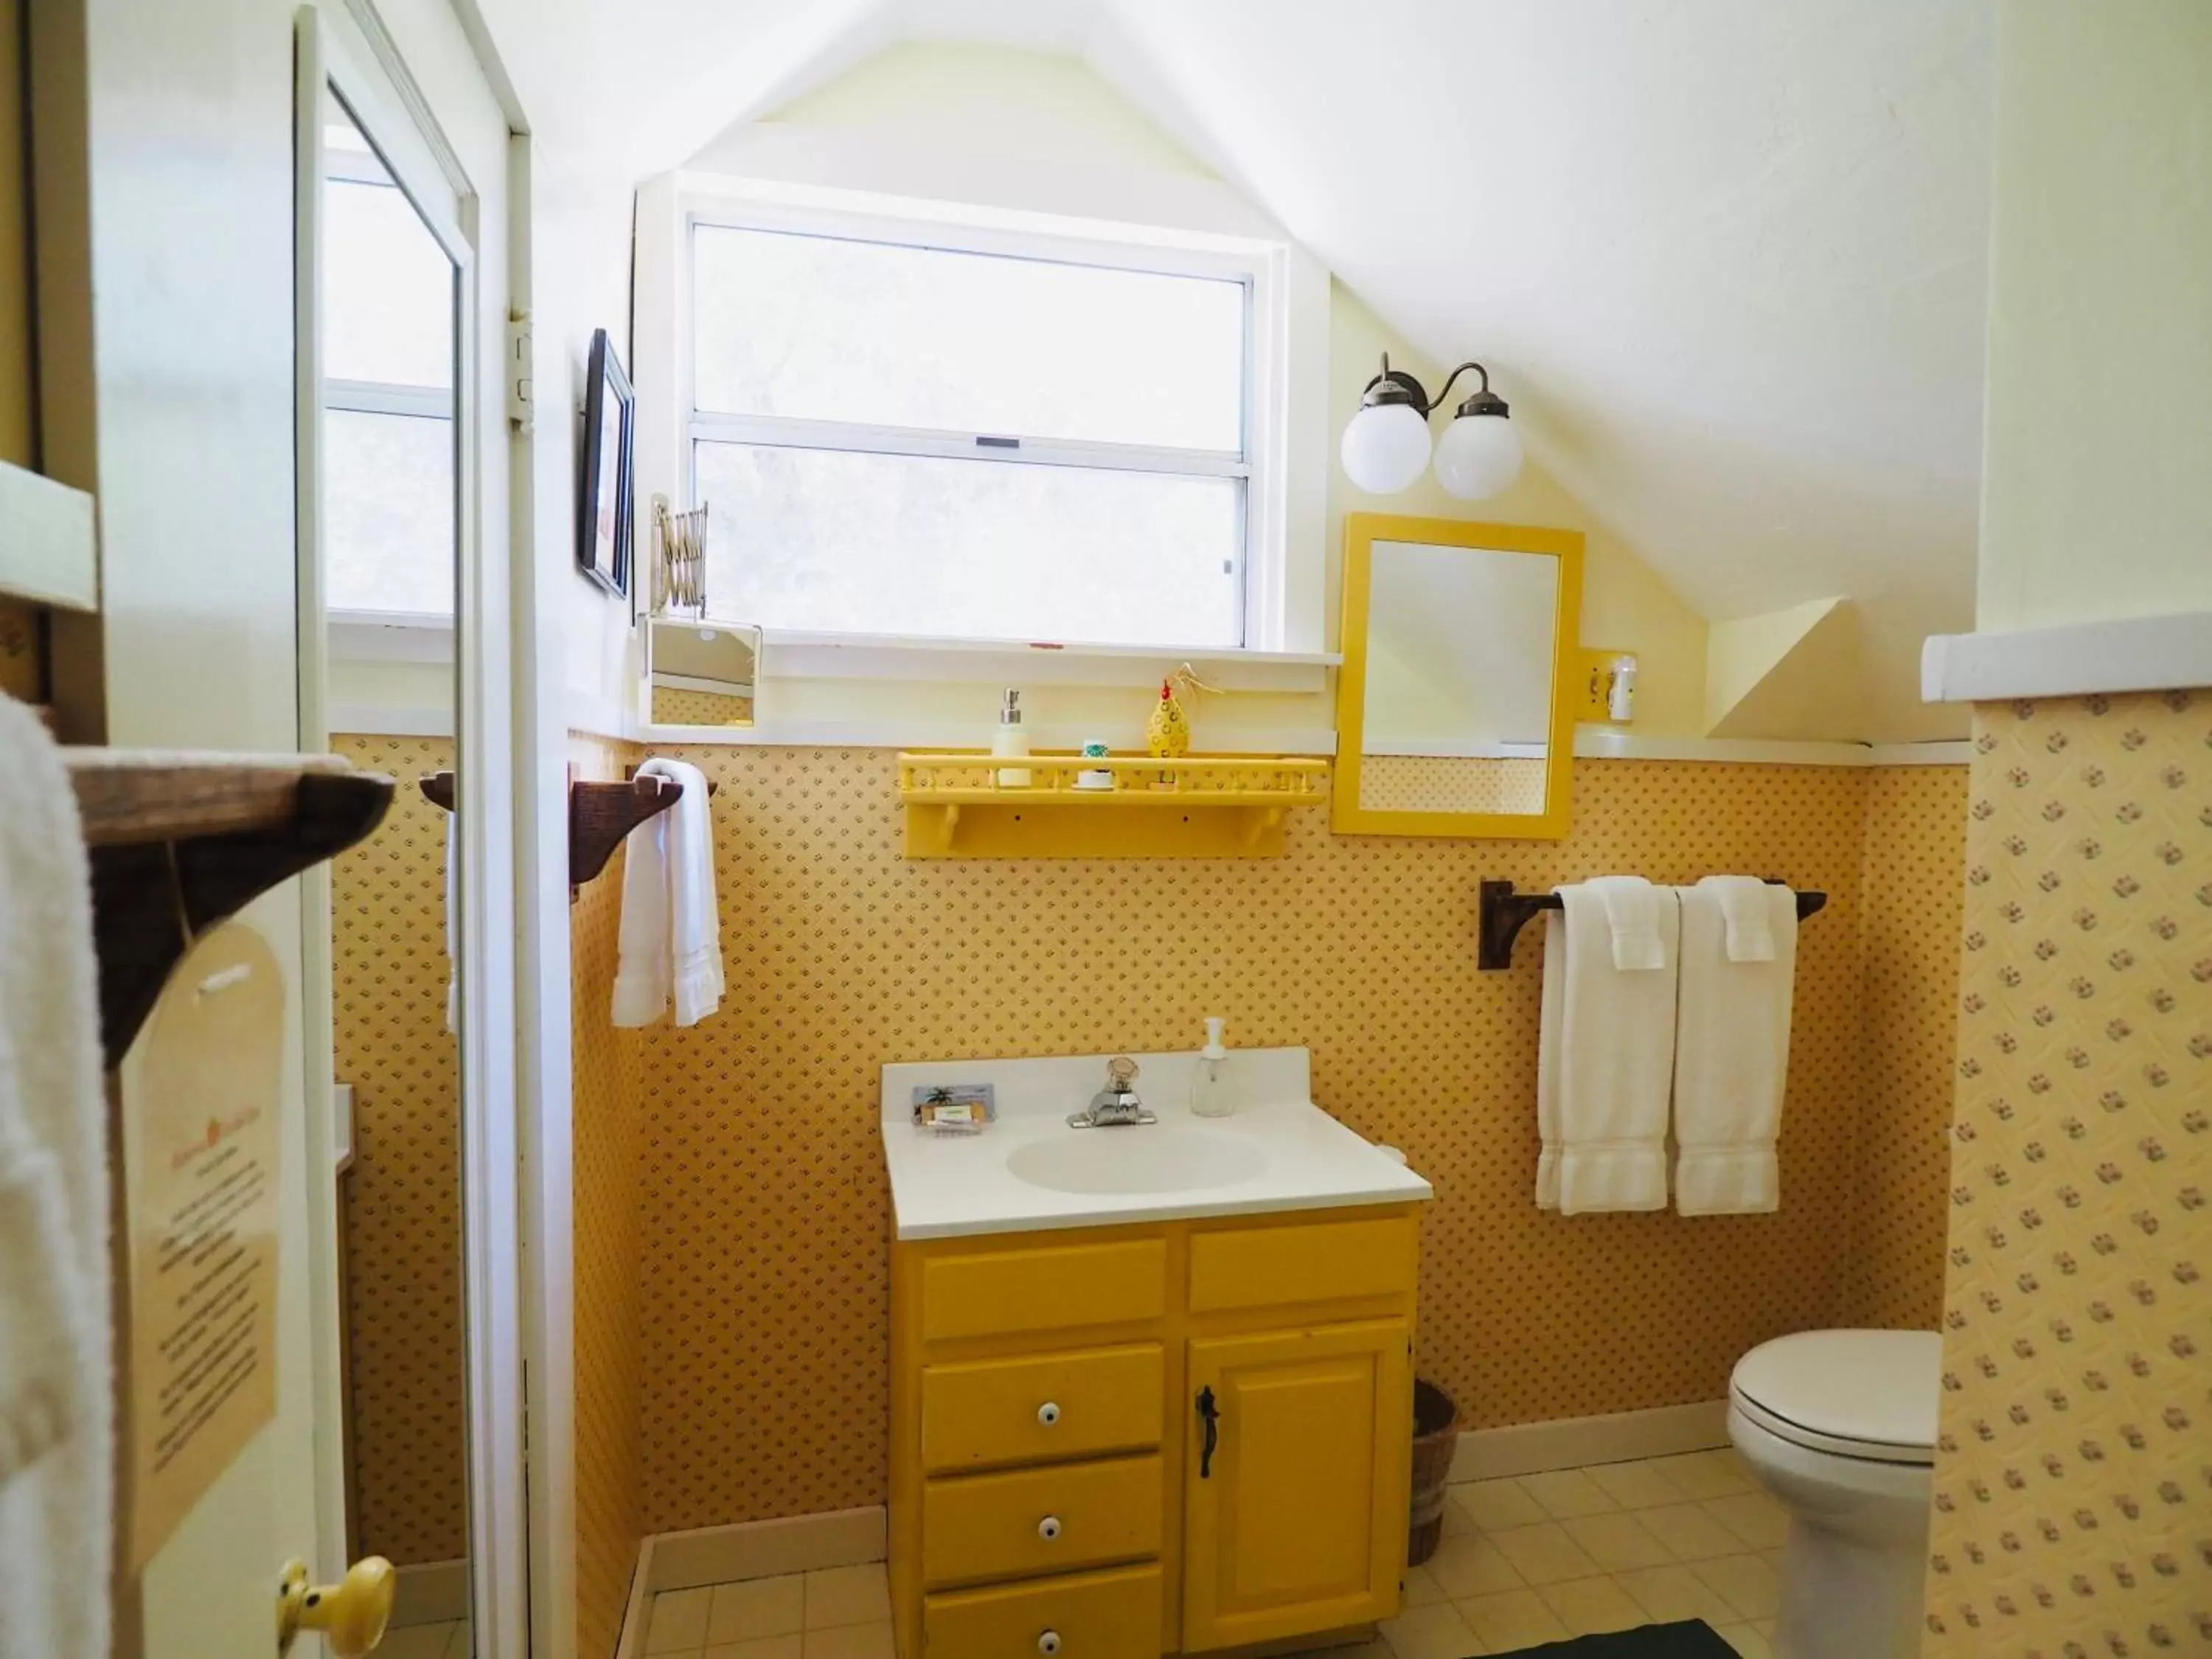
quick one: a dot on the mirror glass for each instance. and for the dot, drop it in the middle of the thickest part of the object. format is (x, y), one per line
(1458, 708)
(390, 566)
(704, 672)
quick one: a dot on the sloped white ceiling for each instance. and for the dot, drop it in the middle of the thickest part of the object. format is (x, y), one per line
(1726, 258)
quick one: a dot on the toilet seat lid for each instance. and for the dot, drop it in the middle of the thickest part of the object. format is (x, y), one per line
(1859, 1394)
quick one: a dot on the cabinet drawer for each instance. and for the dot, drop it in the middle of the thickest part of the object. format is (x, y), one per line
(1281, 1267)
(1096, 1615)
(999, 1412)
(1012, 1526)
(1006, 1292)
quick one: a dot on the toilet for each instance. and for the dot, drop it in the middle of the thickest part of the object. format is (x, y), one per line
(1840, 1427)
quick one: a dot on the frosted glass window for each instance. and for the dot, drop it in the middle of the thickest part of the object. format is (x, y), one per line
(928, 439)
(867, 543)
(825, 329)
(388, 290)
(388, 512)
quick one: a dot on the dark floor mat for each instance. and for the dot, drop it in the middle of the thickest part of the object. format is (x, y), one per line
(1694, 1639)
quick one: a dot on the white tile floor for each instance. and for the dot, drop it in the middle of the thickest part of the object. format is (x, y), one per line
(442, 1641)
(1523, 1561)
(842, 1613)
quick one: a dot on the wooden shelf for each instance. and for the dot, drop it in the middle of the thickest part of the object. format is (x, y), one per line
(1196, 806)
(179, 840)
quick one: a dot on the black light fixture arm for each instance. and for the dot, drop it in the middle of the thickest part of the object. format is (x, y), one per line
(1394, 385)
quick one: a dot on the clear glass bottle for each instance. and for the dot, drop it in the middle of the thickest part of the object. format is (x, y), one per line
(1212, 1084)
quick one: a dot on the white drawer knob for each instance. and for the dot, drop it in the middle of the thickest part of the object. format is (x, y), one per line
(1048, 1529)
(1049, 1641)
(1048, 1413)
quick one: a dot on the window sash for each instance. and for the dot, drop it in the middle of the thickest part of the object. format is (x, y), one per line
(1256, 268)
(389, 398)
(1237, 548)
(786, 432)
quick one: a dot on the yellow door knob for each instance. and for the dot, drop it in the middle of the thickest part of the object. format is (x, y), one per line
(350, 1614)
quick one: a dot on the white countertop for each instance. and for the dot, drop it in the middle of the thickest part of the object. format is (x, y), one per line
(1293, 1156)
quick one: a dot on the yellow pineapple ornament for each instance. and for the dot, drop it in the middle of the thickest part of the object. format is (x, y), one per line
(1167, 735)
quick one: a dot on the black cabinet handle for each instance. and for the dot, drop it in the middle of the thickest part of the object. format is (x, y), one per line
(1211, 1414)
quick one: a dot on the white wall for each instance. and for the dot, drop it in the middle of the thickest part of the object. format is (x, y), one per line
(580, 244)
(2097, 497)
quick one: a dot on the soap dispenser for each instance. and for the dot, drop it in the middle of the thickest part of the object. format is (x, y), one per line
(1011, 740)
(1213, 1088)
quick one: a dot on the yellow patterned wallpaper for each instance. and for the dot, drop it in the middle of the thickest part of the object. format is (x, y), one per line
(676, 706)
(764, 1257)
(2074, 1471)
(609, 1208)
(1912, 878)
(1451, 783)
(400, 1203)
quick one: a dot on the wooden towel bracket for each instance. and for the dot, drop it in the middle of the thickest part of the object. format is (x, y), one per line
(601, 815)
(178, 841)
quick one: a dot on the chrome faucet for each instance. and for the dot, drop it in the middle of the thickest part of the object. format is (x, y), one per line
(1117, 1104)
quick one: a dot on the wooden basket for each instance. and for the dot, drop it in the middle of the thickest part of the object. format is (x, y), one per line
(1436, 1437)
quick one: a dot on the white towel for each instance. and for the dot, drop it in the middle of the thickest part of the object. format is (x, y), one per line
(1604, 1059)
(1731, 1052)
(671, 932)
(453, 917)
(1747, 912)
(56, 1432)
(1632, 915)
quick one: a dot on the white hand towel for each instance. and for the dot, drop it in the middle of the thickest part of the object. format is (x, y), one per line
(1731, 1054)
(1745, 907)
(670, 941)
(57, 1433)
(1604, 1061)
(1632, 915)
(453, 921)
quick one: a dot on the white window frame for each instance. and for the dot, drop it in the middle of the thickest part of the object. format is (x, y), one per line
(363, 635)
(1280, 568)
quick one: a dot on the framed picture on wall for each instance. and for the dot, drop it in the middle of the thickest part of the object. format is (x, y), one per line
(603, 513)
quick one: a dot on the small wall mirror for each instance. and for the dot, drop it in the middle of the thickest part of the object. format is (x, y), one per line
(1454, 711)
(704, 672)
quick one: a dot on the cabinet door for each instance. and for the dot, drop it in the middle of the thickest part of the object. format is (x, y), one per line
(1296, 1523)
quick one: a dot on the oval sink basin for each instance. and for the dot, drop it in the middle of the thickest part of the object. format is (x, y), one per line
(1148, 1158)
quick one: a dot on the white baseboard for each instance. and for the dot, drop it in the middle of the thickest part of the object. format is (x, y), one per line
(638, 1610)
(431, 1593)
(1569, 1441)
(754, 1549)
(767, 1549)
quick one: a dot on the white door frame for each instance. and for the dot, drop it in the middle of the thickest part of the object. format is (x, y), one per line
(349, 46)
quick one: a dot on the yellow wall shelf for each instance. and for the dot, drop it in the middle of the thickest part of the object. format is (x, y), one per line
(1212, 807)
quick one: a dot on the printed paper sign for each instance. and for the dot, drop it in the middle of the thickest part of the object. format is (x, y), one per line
(200, 1103)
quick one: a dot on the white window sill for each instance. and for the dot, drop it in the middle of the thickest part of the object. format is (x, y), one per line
(390, 637)
(790, 654)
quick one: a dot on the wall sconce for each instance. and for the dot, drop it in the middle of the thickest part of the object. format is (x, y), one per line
(1386, 444)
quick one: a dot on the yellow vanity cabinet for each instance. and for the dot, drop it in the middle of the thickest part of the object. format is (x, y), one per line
(1053, 1489)
(1296, 1520)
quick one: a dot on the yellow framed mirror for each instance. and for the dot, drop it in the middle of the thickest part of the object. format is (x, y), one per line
(1455, 707)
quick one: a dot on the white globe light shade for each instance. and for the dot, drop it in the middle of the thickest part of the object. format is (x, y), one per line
(1385, 447)
(1477, 456)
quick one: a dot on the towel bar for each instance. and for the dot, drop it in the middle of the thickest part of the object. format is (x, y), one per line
(1504, 913)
